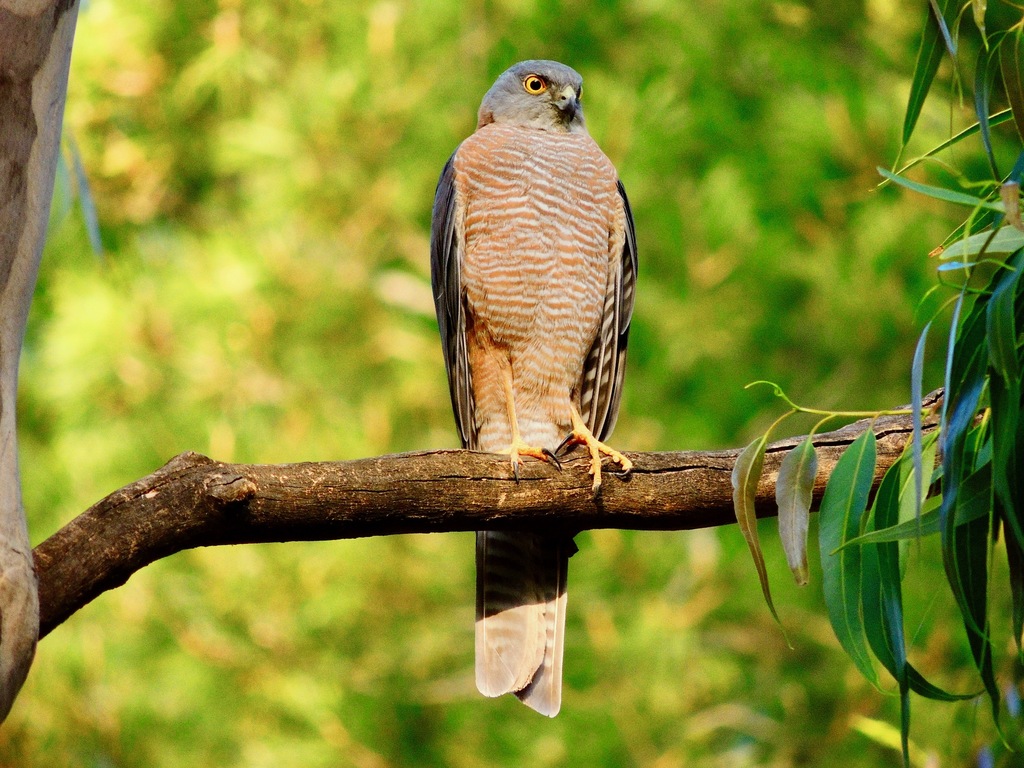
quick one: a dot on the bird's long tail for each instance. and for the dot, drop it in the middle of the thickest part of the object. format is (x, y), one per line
(520, 616)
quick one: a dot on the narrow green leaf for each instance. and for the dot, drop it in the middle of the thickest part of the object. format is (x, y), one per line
(846, 498)
(1005, 241)
(1010, 65)
(910, 511)
(979, 7)
(916, 400)
(948, 195)
(745, 476)
(996, 119)
(1015, 559)
(984, 76)
(883, 594)
(892, 656)
(964, 482)
(1001, 325)
(954, 330)
(968, 570)
(1005, 387)
(966, 361)
(794, 489)
(939, 16)
(1008, 452)
(929, 55)
(930, 524)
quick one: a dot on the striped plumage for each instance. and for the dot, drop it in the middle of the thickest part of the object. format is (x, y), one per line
(533, 262)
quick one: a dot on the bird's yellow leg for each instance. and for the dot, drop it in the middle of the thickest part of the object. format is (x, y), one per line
(519, 447)
(581, 435)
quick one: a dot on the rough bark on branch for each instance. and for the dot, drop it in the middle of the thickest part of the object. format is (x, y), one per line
(194, 501)
(35, 51)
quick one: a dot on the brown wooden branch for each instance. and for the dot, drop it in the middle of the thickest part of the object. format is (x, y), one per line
(194, 501)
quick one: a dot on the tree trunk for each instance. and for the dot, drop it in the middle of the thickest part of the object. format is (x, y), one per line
(35, 52)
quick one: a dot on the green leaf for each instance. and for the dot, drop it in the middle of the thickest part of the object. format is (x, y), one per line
(1001, 324)
(1008, 452)
(846, 498)
(1010, 64)
(1005, 395)
(929, 525)
(883, 598)
(966, 360)
(929, 55)
(993, 120)
(745, 476)
(876, 629)
(967, 493)
(1015, 560)
(948, 195)
(883, 602)
(967, 571)
(916, 406)
(978, 7)
(794, 489)
(984, 76)
(1005, 241)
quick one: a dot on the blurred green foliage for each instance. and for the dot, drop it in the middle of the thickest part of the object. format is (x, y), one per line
(263, 174)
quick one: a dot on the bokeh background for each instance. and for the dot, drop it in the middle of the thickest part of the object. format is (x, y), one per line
(263, 173)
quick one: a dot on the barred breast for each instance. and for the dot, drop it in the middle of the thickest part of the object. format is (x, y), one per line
(537, 208)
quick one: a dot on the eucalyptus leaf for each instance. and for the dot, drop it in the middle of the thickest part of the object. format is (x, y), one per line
(1015, 560)
(882, 599)
(1001, 324)
(978, 8)
(1010, 66)
(916, 406)
(794, 489)
(984, 75)
(929, 56)
(1005, 241)
(969, 571)
(839, 519)
(746, 474)
(993, 120)
(939, 193)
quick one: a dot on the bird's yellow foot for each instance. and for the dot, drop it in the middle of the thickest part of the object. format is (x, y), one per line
(581, 435)
(519, 448)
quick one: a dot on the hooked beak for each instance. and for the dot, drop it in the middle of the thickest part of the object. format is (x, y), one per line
(567, 104)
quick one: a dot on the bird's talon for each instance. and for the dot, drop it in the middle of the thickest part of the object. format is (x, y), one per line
(552, 458)
(566, 442)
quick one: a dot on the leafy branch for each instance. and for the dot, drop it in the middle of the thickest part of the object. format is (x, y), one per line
(972, 467)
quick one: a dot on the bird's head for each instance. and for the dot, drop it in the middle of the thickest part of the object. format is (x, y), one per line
(536, 94)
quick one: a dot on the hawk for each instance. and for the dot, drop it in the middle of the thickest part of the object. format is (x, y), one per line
(533, 267)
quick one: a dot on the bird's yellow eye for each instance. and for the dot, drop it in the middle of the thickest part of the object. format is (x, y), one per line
(534, 84)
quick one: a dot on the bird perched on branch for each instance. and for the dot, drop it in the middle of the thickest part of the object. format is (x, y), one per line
(533, 266)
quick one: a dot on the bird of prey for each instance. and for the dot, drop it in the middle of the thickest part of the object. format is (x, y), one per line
(533, 266)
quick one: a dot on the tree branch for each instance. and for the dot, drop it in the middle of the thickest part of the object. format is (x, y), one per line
(194, 501)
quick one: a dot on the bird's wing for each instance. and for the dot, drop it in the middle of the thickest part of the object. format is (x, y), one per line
(446, 280)
(605, 366)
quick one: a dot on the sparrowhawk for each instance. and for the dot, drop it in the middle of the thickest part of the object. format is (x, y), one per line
(533, 266)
